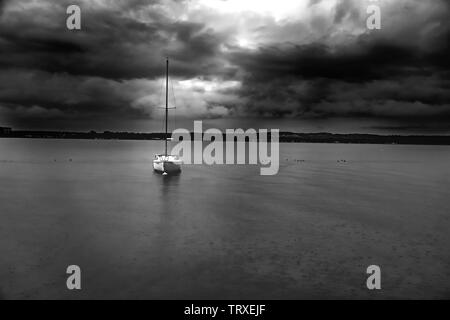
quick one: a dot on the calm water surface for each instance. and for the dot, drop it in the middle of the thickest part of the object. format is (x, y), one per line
(223, 231)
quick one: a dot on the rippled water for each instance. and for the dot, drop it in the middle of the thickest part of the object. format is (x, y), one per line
(223, 231)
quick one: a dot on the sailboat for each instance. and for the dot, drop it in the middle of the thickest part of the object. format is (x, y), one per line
(164, 163)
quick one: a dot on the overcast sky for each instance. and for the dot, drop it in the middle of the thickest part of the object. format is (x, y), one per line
(294, 64)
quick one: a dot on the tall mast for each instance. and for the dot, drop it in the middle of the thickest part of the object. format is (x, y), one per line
(167, 101)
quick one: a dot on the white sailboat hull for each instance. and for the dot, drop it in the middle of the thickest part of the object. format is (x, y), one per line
(167, 164)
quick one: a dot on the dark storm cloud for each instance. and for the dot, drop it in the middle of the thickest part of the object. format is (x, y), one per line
(323, 63)
(110, 45)
(48, 70)
(371, 76)
(360, 62)
(2, 3)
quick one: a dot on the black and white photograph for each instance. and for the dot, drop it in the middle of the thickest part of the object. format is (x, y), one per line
(224, 150)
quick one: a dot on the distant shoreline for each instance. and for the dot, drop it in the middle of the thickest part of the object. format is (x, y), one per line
(323, 137)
